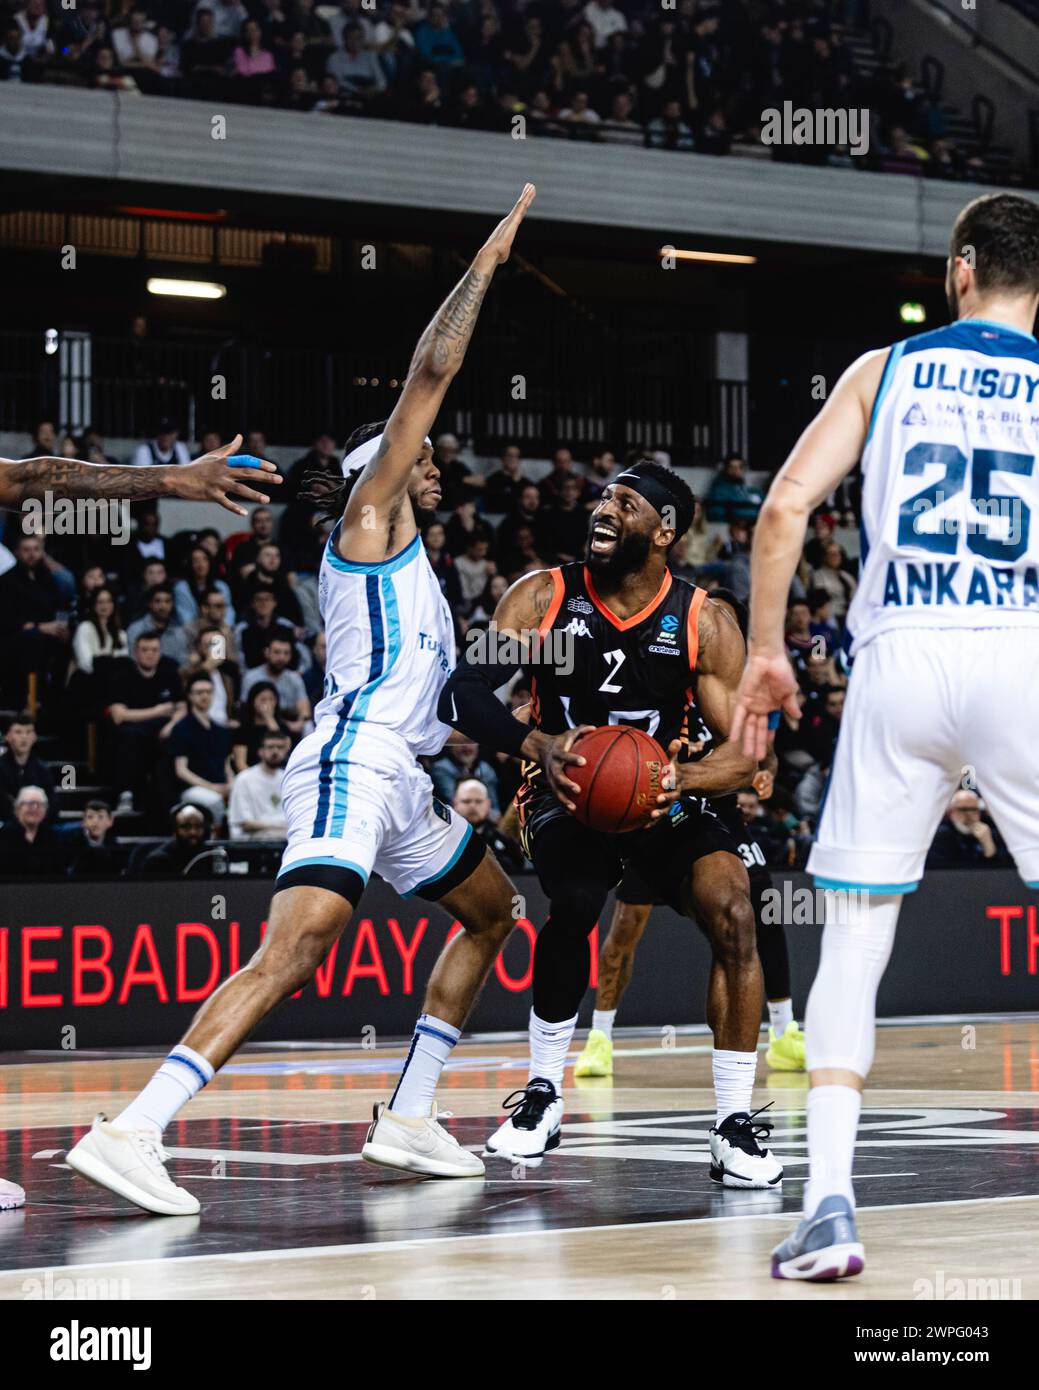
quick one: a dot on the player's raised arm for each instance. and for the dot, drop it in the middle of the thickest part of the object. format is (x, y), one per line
(720, 661)
(434, 364)
(468, 702)
(215, 477)
(828, 450)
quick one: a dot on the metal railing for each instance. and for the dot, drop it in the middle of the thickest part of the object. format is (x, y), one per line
(573, 392)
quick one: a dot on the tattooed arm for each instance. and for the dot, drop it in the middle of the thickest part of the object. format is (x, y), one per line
(377, 498)
(720, 657)
(208, 479)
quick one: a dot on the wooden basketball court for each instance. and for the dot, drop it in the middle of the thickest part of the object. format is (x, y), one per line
(947, 1175)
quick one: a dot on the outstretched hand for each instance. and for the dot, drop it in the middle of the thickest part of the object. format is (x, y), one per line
(768, 684)
(499, 243)
(212, 478)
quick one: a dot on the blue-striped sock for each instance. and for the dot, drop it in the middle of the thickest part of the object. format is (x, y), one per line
(431, 1046)
(181, 1076)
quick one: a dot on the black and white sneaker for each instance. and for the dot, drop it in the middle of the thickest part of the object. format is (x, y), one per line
(737, 1159)
(533, 1127)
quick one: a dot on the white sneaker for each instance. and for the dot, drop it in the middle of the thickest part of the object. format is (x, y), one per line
(417, 1145)
(737, 1159)
(533, 1127)
(11, 1195)
(130, 1162)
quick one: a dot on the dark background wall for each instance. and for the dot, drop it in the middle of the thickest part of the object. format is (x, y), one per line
(124, 970)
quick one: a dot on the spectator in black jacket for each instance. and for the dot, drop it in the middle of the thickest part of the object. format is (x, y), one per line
(21, 767)
(90, 848)
(566, 523)
(966, 839)
(201, 751)
(29, 848)
(262, 624)
(474, 805)
(33, 622)
(145, 700)
(191, 829)
(503, 487)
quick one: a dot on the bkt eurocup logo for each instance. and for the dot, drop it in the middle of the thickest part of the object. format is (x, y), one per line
(895, 1149)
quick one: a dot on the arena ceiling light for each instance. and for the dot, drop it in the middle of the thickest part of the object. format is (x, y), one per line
(715, 257)
(187, 289)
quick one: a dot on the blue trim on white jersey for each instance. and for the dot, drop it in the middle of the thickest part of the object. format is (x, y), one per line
(886, 377)
(388, 566)
(428, 882)
(1000, 327)
(329, 859)
(331, 766)
(976, 335)
(386, 648)
(866, 887)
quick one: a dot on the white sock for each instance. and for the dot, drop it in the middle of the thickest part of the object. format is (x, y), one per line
(733, 1081)
(431, 1046)
(603, 1020)
(833, 1119)
(181, 1076)
(549, 1044)
(780, 1013)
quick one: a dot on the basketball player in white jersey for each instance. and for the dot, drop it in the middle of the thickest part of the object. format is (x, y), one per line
(215, 477)
(945, 631)
(356, 799)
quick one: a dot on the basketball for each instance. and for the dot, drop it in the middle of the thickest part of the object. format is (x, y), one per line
(620, 780)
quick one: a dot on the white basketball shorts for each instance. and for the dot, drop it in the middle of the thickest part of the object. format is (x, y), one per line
(355, 799)
(930, 710)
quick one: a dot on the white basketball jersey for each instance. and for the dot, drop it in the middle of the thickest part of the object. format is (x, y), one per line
(391, 645)
(950, 491)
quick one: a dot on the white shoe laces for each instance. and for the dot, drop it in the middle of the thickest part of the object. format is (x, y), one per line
(155, 1156)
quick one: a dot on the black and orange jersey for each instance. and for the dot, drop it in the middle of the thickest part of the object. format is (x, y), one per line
(595, 668)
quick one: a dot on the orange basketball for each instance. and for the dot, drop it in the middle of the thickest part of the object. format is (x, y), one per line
(620, 780)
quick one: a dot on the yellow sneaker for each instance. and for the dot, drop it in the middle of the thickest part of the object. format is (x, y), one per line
(597, 1057)
(786, 1052)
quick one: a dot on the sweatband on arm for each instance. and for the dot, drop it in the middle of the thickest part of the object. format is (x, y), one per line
(468, 702)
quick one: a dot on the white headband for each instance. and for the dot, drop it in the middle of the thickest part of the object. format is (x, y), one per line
(364, 453)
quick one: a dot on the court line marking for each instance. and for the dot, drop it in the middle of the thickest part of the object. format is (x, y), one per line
(417, 1242)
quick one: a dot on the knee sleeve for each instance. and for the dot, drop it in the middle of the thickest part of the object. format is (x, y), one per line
(840, 1020)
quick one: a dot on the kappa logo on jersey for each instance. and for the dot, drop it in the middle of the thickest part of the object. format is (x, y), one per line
(577, 627)
(914, 415)
(579, 605)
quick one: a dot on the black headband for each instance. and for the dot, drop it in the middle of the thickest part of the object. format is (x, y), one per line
(659, 495)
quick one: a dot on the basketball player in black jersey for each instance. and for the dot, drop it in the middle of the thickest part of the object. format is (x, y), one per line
(628, 644)
(636, 899)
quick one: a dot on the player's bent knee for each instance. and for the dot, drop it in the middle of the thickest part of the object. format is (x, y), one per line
(576, 907)
(731, 928)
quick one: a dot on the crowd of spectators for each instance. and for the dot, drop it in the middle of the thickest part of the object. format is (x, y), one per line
(198, 659)
(693, 76)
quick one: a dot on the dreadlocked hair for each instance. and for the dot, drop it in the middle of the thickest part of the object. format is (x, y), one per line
(324, 486)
